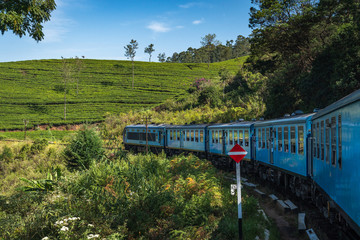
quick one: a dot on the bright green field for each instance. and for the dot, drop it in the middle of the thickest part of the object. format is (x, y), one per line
(33, 90)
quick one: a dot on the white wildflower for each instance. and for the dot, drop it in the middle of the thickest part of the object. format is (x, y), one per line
(64, 229)
(45, 238)
(90, 236)
(90, 225)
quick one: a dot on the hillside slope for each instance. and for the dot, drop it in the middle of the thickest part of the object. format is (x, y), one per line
(34, 90)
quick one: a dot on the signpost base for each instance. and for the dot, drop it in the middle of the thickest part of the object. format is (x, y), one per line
(239, 199)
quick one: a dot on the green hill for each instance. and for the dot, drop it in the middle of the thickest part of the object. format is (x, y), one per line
(34, 90)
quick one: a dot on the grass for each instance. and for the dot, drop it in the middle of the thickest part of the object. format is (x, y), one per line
(34, 90)
(50, 135)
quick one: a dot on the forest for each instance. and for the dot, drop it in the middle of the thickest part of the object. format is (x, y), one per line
(307, 52)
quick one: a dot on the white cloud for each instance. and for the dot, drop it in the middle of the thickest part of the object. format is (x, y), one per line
(189, 5)
(158, 27)
(196, 22)
(56, 29)
(179, 27)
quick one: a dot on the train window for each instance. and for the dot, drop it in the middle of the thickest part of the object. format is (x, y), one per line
(196, 136)
(301, 140)
(246, 138)
(226, 135)
(339, 142)
(280, 137)
(267, 138)
(333, 141)
(216, 136)
(235, 137)
(133, 136)
(241, 137)
(192, 135)
(327, 139)
(201, 136)
(259, 138)
(170, 133)
(178, 135)
(231, 140)
(263, 138)
(187, 135)
(286, 139)
(292, 140)
(220, 137)
(322, 139)
(212, 136)
(318, 138)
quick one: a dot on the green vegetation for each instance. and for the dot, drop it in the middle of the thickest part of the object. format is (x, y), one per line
(84, 148)
(309, 50)
(50, 135)
(34, 90)
(127, 197)
(25, 17)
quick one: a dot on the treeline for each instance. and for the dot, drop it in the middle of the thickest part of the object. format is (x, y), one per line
(308, 50)
(211, 51)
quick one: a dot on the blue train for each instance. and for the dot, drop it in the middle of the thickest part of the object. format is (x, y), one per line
(316, 156)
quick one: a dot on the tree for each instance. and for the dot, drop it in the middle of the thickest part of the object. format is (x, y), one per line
(149, 50)
(130, 53)
(209, 42)
(162, 57)
(25, 16)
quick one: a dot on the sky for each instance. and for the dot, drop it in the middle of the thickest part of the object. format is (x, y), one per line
(99, 29)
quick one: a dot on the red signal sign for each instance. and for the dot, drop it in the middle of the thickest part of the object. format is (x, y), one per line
(237, 153)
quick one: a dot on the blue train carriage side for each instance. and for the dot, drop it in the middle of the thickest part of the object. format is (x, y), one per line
(336, 160)
(223, 137)
(134, 137)
(186, 138)
(280, 152)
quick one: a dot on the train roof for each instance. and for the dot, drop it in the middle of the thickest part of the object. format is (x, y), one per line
(286, 120)
(187, 126)
(232, 124)
(353, 97)
(144, 126)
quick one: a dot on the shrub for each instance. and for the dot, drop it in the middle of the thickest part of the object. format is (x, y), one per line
(38, 146)
(85, 147)
(7, 154)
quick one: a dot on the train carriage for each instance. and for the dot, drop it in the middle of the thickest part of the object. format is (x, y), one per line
(134, 137)
(281, 143)
(336, 158)
(180, 138)
(223, 137)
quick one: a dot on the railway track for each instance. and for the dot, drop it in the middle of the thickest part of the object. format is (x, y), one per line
(315, 219)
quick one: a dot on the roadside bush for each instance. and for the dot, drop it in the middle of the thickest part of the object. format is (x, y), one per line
(85, 147)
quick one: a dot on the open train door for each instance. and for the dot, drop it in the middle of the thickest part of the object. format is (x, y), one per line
(271, 145)
(310, 159)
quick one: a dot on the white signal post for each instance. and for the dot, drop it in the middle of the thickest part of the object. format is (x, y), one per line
(237, 153)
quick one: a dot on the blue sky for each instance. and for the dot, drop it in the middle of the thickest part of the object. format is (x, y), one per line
(99, 29)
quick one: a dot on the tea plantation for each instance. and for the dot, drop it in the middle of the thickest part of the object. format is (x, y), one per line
(34, 90)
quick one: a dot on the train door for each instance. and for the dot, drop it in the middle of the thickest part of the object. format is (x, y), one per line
(310, 148)
(182, 138)
(224, 137)
(253, 145)
(271, 145)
